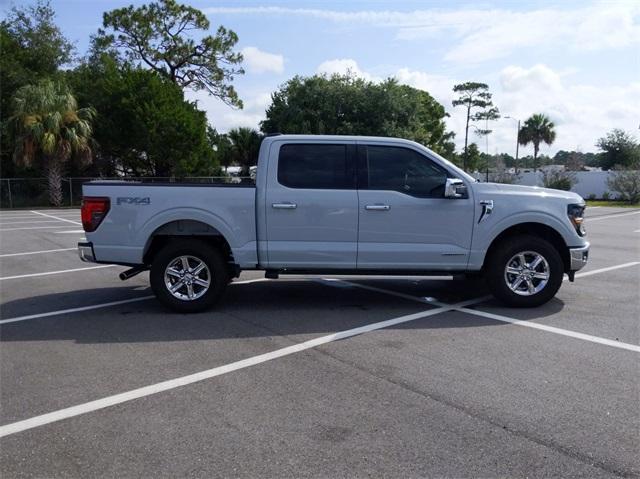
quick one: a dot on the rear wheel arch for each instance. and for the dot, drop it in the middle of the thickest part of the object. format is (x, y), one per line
(192, 229)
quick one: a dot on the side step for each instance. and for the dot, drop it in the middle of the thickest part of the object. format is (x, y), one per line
(272, 274)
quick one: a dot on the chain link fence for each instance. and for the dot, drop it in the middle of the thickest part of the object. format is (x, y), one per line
(34, 192)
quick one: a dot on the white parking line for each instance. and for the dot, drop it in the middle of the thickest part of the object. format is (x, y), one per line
(75, 232)
(552, 329)
(99, 306)
(529, 324)
(36, 252)
(21, 217)
(609, 268)
(91, 406)
(73, 310)
(35, 228)
(614, 215)
(47, 273)
(36, 221)
(57, 218)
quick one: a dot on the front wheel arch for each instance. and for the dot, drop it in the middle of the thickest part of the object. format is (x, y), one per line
(539, 230)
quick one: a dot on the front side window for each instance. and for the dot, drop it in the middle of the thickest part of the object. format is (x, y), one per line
(315, 166)
(404, 170)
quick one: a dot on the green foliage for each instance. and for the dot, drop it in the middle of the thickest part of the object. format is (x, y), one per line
(245, 145)
(144, 126)
(157, 36)
(558, 179)
(626, 183)
(221, 146)
(564, 157)
(345, 105)
(476, 161)
(618, 148)
(538, 128)
(47, 124)
(33, 48)
(474, 96)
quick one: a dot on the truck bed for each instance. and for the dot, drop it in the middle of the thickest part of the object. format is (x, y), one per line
(140, 210)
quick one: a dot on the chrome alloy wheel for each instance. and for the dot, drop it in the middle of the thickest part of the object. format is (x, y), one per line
(527, 273)
(187, 278)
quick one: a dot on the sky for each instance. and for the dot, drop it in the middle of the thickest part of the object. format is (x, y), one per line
(576, 61)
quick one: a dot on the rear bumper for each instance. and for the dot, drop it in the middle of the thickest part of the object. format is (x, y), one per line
(579, 257)
(85, 251)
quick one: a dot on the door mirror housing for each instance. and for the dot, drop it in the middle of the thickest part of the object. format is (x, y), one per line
(455, 188)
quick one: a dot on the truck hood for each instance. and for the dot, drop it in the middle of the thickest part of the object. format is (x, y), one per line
(527, 191)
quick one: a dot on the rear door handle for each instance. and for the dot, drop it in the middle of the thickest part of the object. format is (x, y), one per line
(377, 207)
(284, 206)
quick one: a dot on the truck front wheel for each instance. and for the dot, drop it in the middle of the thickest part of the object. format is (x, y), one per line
(524, 271)
(188, 276)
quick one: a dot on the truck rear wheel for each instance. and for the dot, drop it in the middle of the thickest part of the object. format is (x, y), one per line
(188, 276)
(524, 271)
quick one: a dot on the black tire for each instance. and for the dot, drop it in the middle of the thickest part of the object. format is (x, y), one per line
(196, 250)
(505, 254)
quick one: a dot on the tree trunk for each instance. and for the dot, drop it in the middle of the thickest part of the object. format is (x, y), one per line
(466, 137)
(54, 179)
(536, 147)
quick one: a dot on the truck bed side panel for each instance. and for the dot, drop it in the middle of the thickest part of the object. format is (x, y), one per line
(138, 210)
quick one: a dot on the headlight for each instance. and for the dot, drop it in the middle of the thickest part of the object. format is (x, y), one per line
(576, 216)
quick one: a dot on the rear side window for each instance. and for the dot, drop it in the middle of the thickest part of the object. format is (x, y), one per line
(404, 170)
(316, 166)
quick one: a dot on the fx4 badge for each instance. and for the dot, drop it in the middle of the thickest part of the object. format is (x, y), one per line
(127, 200)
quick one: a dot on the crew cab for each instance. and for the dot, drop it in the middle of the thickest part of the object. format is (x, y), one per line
(337, 205)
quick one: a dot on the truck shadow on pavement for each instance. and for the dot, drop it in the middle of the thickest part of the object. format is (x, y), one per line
(262, 309)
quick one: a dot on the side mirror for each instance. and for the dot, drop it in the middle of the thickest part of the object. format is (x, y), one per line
(455, 188)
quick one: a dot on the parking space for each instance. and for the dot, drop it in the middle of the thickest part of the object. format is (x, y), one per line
(315, 377)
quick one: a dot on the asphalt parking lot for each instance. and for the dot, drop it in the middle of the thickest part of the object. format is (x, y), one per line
(315, 377)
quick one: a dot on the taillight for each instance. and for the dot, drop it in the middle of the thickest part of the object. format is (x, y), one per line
(93, 211)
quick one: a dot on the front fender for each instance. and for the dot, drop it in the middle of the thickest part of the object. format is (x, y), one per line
(487, 231)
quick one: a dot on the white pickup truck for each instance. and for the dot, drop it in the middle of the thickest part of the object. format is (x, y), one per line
(337, 205)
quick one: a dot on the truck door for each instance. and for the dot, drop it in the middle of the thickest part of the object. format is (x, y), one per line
(405, 220)
(312, 205)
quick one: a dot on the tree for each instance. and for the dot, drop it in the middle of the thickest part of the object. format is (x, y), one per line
(475, 161)
(626, 183)
(156, 35)
(245, 145)
(346, 105)
(145, 127)
(221, 145)
(618, 148)
(33, 48)
(559, 179)
(473, 95)
(46, 121)
(537, 129)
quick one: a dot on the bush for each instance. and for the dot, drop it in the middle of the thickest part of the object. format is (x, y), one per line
(558, 179)
(606, 196)
(626, 183)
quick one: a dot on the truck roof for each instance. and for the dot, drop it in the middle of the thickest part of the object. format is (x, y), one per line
(385, 139)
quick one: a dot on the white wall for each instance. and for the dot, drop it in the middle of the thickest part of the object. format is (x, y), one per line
(589, 183)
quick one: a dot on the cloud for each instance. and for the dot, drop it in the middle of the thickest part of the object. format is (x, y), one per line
(224, 117)
(582, 112)
(258, 61)
(344, 66)
(479, 35)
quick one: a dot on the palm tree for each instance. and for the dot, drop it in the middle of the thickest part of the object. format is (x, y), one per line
(48, 125)
(537, 129)
(245, 145)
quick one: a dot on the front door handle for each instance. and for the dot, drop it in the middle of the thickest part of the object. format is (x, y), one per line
(284, 206)
(377, 207)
